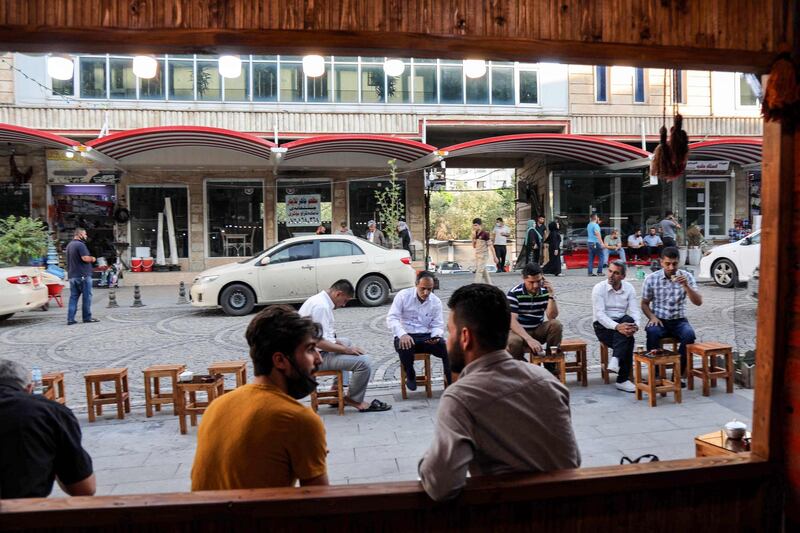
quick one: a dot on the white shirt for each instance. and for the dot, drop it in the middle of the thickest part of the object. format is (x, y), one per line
(501, 235)
(634, 241)
(409, 315)
(608, 304)
(319, 308)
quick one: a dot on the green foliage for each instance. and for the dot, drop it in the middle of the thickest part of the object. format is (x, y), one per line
(452, 211)
(694, 236)
(389, 201)
(22, 239)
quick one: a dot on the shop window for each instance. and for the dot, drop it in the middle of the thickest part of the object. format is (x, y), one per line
(363, 206)
(181, 80)
(425, 90)
(93, 77)
(301, 251)
(346, 83)
(502, 86)
(122, 82)
(265, 82)
(319, 89)
(145, 205)
(528, 87)
(238, 89)
(63, 87)
(373, 84)
(638, 86)
(399, 87)
(209, 85)
(153, 88)
(478, 90)
(601, 84)
(452, 89)
(235, 218)
(291, 82)
(15, 200)
(338, 249)
(302, 206)
(747, 96)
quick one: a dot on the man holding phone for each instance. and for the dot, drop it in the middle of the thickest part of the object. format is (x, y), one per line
(417, 323)
(531, 301)
(664, 295)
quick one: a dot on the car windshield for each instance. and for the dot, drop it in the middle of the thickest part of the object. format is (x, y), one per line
(260, 254)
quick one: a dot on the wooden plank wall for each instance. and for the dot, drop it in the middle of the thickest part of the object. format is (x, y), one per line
(642, 32)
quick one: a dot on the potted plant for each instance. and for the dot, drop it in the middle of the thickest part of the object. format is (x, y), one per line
(21, 240)
(694, 238)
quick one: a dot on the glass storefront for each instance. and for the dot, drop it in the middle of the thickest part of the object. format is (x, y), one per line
(302, 206)
(15, 200)
(146, 203)
(235, 218)
(707, 205)
(363, 206)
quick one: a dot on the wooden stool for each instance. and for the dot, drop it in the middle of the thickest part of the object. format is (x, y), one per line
(213, 389)
(675, 343)
(604, 355)
(96, 399)
(710, 372)
(237, 368)
(54, 387)
(579, 365)
(331, 397)
(423, 379)
(552, 355)
(153, 397)
(657, 364)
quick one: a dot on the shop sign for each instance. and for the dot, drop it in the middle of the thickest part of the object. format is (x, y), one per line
(708, 165)
(303, 210)
(78, 169)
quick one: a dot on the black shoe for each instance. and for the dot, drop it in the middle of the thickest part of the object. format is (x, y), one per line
(411, 382)
(70, 323)
(90, 321)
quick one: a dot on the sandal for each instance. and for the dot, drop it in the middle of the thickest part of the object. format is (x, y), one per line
(376, 405)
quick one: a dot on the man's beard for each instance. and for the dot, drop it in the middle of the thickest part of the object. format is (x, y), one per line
(301, 384)
(455, 354)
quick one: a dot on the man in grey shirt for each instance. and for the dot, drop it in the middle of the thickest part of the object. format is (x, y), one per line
(668, 226)
(502, 416)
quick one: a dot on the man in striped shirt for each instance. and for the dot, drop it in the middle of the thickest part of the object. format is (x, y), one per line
(531, 301)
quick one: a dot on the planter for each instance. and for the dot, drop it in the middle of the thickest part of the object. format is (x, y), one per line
(683, 253)
(695, 255)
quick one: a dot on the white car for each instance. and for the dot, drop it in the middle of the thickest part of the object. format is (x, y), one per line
(450, 267)
(21, 289)
(732, 263)
(300, 267)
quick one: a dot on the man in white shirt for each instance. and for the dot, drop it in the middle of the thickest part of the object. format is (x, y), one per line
(337, 354)
(653, 242)
(616, 313)
(635, 244)
(500, 235)
(417, 323)
(374, 235)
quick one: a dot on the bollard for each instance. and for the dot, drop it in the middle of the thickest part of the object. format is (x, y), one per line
(112, 298)
(182, 294)
(137, 297)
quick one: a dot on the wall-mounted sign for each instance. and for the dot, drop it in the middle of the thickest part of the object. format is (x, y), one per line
(77, 169)
(303, 210)
(708, 165)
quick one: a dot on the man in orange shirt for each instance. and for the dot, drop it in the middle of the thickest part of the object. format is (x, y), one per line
(259, 435)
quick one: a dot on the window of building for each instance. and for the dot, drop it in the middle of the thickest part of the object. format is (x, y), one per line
(478, 90)
(346, 82)
(425, 84)
(338, 249)
(238, 89)
(181, 80)
(452, 84)
(480, 184)
(319, 89)
(601, 84)
(747, 96)
(145, 205)
(122, 82)
(153, 89)
(398, 88)
(291, 82)
(638, 86)
(265, 82)
(528, 87)
(235, 217)
(315, 194)
(209, 84)
(15, 200)
(373, 84)
(679, 86)
(302, 251)
(364, 207)
(63, 87)
(502, 85)
(93, 77)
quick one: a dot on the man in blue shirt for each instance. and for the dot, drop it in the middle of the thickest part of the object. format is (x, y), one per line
(79, 270)
(594, 241)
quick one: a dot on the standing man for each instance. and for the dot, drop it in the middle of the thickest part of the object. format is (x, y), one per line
(343, 229)
(502, 416)
(668, 226)
(79, 270)
(530, 302)
(40, 441)
(612, 245)
(635, 244)
(500, 235)
(653, 242)
(339, 354)
(664, 296)
(416, 321)
(265, 415)
(481, 243)
(539, 230)
(616, 315)
(374, 235)
(594, 241)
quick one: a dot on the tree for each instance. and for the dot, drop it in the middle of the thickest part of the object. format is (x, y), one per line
(390, 205)
(22, 239)
(452, 211)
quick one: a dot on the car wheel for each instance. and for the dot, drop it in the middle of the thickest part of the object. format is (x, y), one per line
(724, 273)
(4, 317)
(373, 291)
(237, 300)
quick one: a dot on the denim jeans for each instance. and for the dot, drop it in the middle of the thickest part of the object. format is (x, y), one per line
(678, 328)
(438, 349)
(80, 287)
(596, 250)
(606, 253)
(620, 344)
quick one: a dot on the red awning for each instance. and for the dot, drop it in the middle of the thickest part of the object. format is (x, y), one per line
(383, 146)
(131, 142)
(20, 135)
(592, 150)
(744, 151)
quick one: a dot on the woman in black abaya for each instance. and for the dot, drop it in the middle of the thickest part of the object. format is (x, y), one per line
(553, 240)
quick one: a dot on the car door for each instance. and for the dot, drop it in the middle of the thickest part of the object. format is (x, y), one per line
(749, 254)
(340, 259)
(290, 275)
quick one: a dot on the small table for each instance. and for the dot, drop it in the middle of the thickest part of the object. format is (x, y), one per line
(717, 444)
(657, 364)
(578, 366)
(54, 387)
(212, 388)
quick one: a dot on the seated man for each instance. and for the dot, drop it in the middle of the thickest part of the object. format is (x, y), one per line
(416, 321)
(337, 354)
(530, 301)
(616, 315)
(40, 441)
(502, 416)
(259, 435)
(612, 245)
(653, 242)
(636, 244)
(664, 294)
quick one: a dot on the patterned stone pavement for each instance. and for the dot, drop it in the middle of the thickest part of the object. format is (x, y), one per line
(149, 455)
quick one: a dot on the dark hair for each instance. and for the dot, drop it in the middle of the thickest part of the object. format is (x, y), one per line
(484, 310)
(422, 274)
(278, 328)
(499, 218)
(668, 213)
(344, 286)
(476, 221)
(621, 265)
(531, 269)
(671, 252)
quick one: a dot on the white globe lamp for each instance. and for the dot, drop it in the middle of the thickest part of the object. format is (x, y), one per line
(474, 68)
(393, 67)
(60, 67)
(145, 67)
(230, 66)
(314, 66)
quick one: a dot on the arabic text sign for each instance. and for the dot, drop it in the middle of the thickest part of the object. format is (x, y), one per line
(303, 210)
